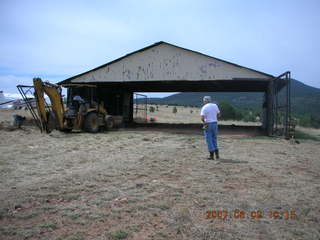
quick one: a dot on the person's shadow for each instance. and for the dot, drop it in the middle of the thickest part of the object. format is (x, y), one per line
(223, 160)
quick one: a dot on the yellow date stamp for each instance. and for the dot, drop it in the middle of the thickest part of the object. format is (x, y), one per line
(253, 214)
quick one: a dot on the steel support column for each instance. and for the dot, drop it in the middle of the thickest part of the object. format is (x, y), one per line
(270, 108)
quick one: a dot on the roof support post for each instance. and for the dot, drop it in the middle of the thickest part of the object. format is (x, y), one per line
(264, 119)
(127, 106)
(270, 108)
(288, 104)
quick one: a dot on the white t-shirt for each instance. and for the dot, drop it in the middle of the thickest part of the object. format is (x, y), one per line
(210, 111)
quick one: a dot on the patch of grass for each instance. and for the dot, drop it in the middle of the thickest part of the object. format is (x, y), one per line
(298, 135)
(49, 209)
(98, 216)
(47, 195)
(73, 190)
(51, 225)
(8, 231)
(75, 236)
(71, 208)
(3, 213)
(84, 160)
(81, 222)
(305, 136)
(161, 235)
(28, 233)
(97, 202)
(139, 208)
(3, 163)
(27, 215)
(71, 197)
(90, 185)
(135, 228)
(117, 235)
(72, 215)
(298, 233)
(160, 205)
(258, 138)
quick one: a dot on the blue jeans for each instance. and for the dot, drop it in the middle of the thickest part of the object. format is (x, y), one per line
(211, 136)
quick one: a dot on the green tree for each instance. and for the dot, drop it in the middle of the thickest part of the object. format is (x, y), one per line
(314, 121)
(151, 109)
(239, 115)
(174, 110)
(227, 111)
(249, 117)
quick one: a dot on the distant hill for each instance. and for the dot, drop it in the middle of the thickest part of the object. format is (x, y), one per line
(305, 99)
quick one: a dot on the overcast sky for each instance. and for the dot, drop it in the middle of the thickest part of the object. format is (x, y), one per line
(58, 39)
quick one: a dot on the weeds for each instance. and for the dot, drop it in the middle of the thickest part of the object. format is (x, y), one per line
(306, 136)
(160, 205)
(76, 236)
(117, 235)
(28, 233)
(71, 197)
(98, 216)
(26, 215)
(164, 195)
(51, 225)
(72, 215)
(81, 222)
(8, 231)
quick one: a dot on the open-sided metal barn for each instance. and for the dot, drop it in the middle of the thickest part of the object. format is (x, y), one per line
(163, 67)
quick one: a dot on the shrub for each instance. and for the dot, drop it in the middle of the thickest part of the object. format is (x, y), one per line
(117, 235)
(174, 110)
(228, 112)
(151, 109)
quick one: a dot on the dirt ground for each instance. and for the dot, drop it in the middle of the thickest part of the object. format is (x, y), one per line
(132, 184)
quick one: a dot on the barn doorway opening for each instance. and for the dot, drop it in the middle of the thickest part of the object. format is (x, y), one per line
(238, 108)
(241, 112)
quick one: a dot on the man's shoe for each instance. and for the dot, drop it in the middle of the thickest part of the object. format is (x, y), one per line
(217, 154)
(211, 157)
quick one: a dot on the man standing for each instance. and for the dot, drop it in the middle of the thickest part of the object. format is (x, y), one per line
(209, 116)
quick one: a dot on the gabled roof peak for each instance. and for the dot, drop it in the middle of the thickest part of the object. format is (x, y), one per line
(265, 75)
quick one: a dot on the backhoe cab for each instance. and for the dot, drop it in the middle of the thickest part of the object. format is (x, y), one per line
(83, 115)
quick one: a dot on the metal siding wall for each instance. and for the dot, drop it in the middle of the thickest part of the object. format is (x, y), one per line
(166, 62)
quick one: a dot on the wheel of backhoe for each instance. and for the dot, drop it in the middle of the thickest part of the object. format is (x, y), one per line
(109, 123)
(91, 123)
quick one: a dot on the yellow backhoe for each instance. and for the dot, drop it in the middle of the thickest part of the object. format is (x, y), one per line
(86, 116)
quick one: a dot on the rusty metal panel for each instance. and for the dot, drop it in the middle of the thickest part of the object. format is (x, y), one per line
(165, 62)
